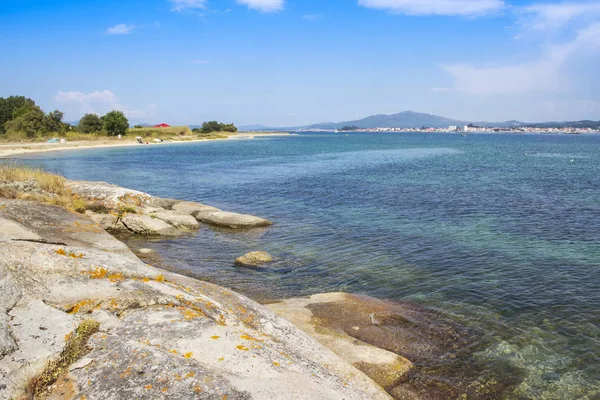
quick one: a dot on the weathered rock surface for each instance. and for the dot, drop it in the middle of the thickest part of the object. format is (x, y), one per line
(177, 220)
(189, 207)
(376, 335)
(183, 215)
(146, 225)
(384, 367)
(162, 335)
(254, 259)
(231, 220)
(108, 222)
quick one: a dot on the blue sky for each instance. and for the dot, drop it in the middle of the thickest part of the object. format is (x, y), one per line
(295, 62)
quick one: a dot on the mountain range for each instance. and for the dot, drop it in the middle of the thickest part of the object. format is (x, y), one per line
(412, 119)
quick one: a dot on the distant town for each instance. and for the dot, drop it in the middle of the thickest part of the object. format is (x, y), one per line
(467, 129)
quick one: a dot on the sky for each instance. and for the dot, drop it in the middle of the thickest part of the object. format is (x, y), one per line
(297, 62)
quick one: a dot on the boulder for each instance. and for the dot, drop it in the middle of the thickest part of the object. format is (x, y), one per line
(146, 225)
(108, 222)
(189, 208)
(254, 259)
(231, 220)
(178, 220)
(107, 192)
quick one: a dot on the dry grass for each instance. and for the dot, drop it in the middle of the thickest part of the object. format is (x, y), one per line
(160, 133)
(53, 187)
(75, 348)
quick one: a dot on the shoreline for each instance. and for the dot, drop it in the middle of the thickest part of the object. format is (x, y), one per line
(12, 149)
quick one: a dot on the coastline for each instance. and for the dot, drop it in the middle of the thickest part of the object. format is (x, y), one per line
(11, 149)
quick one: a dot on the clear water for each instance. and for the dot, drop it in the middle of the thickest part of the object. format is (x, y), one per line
(501, 233)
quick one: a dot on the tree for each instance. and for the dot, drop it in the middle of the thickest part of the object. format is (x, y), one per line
(31, 120)
(53, 121)
(90, 123)
(228, 128)
(115, 123)
(211, 126)
(9, 105)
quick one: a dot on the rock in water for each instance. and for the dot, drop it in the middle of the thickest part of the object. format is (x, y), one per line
(231, 220)
(146, 225)
(254, 259)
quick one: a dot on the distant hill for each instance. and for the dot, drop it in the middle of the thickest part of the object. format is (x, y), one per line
(257, 127)
(405, 119)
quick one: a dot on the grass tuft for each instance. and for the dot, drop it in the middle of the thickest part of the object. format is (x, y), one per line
(53, 188)
(75, 348)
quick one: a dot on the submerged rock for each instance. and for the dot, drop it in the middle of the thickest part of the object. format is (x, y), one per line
(254, 259)
(334, 332)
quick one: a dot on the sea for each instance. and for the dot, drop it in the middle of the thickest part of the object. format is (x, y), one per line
(500, 233)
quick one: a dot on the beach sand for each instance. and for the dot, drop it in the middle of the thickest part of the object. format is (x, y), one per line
(12, 149)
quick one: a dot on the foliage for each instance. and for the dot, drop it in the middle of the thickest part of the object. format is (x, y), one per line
(9, 105)
(115, 123)
(214, 126)
(349, 128)
(29, 119)
(75, 348)
(90, 123)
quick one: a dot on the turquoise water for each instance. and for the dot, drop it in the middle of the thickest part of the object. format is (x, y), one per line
(498, 232)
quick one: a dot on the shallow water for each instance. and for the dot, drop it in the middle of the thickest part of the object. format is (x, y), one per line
(498, 232)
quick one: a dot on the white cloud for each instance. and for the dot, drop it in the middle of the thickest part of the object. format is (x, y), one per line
(549, 73)
(436, 7)
(98, 102)
(180, 5)
(120, 29)
(263, 5)
(545, 16)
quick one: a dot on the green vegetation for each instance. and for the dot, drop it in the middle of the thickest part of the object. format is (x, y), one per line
(90, 123)
(214, 126)
(349, 128)
(21, 119)
(115, 123)
(75, 348)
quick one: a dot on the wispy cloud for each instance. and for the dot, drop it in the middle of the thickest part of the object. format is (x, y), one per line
(199, 61)
(436, 7)
(544, 16)
(121, 29)
(549, 73)
(97, 102)
(181, 5)
(263, 5)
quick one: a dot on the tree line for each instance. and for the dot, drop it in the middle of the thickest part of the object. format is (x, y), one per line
(20, 116)
(214, 126)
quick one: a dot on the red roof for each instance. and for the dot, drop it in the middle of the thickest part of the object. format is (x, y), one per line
(162, 125)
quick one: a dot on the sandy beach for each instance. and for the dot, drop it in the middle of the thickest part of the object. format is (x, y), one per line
(12, 149)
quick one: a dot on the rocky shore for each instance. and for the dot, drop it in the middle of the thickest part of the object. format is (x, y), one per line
(163, 335)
